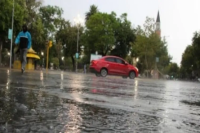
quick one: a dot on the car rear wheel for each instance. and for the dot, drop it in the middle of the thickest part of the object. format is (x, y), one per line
(104, 72)
(132, 75)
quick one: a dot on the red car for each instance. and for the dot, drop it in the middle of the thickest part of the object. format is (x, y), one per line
(112, 65)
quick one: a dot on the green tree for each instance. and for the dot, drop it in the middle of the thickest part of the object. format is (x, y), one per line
(67, 36)
(6, 20)
(55, 61)
(99, 34)
(148, 46)
(93, 10)
(35, 25)
(190, 63)
(51, 19)
(124, 35)
(188, 59)
(196, 49)
(172, 70)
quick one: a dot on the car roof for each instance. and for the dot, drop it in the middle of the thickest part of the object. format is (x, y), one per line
(112, 57)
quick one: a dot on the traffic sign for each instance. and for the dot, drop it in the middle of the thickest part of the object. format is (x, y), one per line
(50, 43)
(77, 55)
(157, 59)
(9, 33)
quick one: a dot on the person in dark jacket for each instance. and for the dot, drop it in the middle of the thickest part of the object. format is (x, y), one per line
(24, 41)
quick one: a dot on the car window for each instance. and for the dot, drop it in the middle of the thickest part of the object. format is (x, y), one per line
(110, 59)
(120, 61)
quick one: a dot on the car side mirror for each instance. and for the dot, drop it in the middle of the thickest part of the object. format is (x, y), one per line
(126, 63)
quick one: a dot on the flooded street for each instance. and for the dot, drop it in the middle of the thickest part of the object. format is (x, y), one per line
(63, 102)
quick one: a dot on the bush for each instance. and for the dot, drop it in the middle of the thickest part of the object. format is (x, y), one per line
(55, 61)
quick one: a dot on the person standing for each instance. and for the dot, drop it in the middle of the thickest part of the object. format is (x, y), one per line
(24, 41)
(85, 68)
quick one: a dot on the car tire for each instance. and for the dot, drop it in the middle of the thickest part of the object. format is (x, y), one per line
(104, 72)
(98, 74)
(132, 75)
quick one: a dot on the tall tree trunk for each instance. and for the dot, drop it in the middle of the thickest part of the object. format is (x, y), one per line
(73, 62)
(0, 52)
(146, 64)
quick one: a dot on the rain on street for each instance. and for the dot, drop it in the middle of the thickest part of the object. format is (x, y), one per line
(62, 102)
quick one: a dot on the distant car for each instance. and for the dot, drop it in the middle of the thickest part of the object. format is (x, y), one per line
(113, 65)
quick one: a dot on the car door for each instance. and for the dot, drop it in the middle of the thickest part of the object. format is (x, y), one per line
(110, 65)
(121, 66)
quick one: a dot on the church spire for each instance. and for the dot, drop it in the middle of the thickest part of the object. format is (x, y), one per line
(158, 18)
(158, 30)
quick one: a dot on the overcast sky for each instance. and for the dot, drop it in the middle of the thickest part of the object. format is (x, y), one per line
(179, 18)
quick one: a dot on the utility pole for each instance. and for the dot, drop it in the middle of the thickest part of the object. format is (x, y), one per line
(12, 35)
(49, 45)
(77, 49)
(78, 22)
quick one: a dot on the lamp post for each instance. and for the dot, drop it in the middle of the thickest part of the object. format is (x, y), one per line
(82, 49)
(42, 53)
(78, 22)
(63, 60)
(12, 34)
(137, 59)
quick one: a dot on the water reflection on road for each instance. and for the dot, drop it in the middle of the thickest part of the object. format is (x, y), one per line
(69, 102)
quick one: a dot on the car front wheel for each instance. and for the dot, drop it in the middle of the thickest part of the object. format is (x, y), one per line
(132, 75)
(104, 72)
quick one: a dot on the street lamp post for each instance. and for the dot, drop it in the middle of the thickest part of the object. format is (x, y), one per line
(77, 48)
(82, 49)
(12, 34)
(42, 53)
(78, 22)
(63, 59)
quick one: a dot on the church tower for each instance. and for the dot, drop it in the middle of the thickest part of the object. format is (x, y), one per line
(158, 30)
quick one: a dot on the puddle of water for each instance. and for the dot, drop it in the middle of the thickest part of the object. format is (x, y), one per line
(26, 110)
(193, 103)
(29, 110)
(57, 103)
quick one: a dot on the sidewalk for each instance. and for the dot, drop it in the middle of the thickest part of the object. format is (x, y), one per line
(44, 71)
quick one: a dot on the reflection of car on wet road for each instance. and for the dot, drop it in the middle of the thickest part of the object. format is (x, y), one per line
(112, 65)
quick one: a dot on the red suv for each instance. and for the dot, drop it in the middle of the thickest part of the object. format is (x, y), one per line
(112, 65)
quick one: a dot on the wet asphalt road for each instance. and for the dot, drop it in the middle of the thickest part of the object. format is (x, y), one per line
(63, 102)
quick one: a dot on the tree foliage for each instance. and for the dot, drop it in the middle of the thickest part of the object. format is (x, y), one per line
(67, 37)
(103, 32)
(148, 46)
(99, 34)
(172, 70)
(35, 25)
(6, 20)
(55, 61)
(93, 10)
(51, 19)
(124, 35)
(190, 62)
